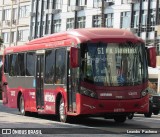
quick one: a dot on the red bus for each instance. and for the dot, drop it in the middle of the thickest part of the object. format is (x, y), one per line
(81, 72)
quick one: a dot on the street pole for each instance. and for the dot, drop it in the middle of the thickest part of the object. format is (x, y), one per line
(102, 15)
(75, 16)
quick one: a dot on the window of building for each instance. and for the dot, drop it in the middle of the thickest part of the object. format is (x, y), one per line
(109, 19)
(21, 64)
(13, 65)
(72, 2)
(37, 27)
(23, 35)
(82, 2)
(5, 36)
(57, 26)
(6, 14)
(30, 64)
(97, 21)
(144, 18)
(58, 4)
(13, 36)
(44, 5)
(70, 23)
(124, 1)
(97, 3)
(125, 19)
(81, 22)
(153, 17)
(135, 19)
(60, 66)
(43, 28)
(49, 3)
(49, 66)
(0, 15)
(24, 11)
(14, 13)
(48, 26)
(32, 29)
(34, 6)
(39, 6)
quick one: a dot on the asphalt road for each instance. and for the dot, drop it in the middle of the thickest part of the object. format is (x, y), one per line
(12, 122)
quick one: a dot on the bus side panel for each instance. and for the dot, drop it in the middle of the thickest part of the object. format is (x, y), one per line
(12, 97)
(30, 100)
(50, 96)
(49, 101)
(78, 102)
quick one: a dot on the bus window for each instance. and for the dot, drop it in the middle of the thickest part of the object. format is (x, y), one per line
(21, 64)
(113, 64)
(60, 66)
(30, 68)
(49, 66)
(6, 65)
(13, 66)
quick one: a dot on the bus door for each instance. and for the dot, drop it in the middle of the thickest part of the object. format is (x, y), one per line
(72, 87)
(40, 79)
(4, 83)
(4, 93)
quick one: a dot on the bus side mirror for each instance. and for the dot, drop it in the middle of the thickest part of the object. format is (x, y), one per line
(151, 56)
(74, 57)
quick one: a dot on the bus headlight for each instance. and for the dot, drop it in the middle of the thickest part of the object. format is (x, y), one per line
(144, 92)
(88, 92)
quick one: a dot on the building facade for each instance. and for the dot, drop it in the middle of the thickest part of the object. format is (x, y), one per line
(145, 18)
(51, 16)
(44, 17)
(14, 22)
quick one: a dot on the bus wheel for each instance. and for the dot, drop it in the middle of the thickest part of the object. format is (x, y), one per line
(120, 119)
(131, 115)
(156, 112)
(149, 114)
(62, 115)
(21, 105)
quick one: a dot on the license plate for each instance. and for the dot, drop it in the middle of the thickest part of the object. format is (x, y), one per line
(119, 110)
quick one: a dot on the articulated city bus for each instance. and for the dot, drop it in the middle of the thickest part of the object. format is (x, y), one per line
(81, 72)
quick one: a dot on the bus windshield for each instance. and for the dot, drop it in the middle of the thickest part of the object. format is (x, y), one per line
(113, 64)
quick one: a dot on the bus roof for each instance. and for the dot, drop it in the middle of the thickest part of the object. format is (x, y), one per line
(79, 36)
(86, 34)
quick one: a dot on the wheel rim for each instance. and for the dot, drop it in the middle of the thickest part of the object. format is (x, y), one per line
(62, 111)
(22, 105)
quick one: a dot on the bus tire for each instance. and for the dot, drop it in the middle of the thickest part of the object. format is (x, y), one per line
(156, 112)
(120, 119)
(21, 106)
(62, 113)
(131, 115)
(149, 114)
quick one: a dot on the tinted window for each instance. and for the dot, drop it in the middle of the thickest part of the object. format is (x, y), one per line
(13, 65)
(49, 66)
(60, 66)
(6, 65)
(30, 62)
(114, 64)
(21, 64)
